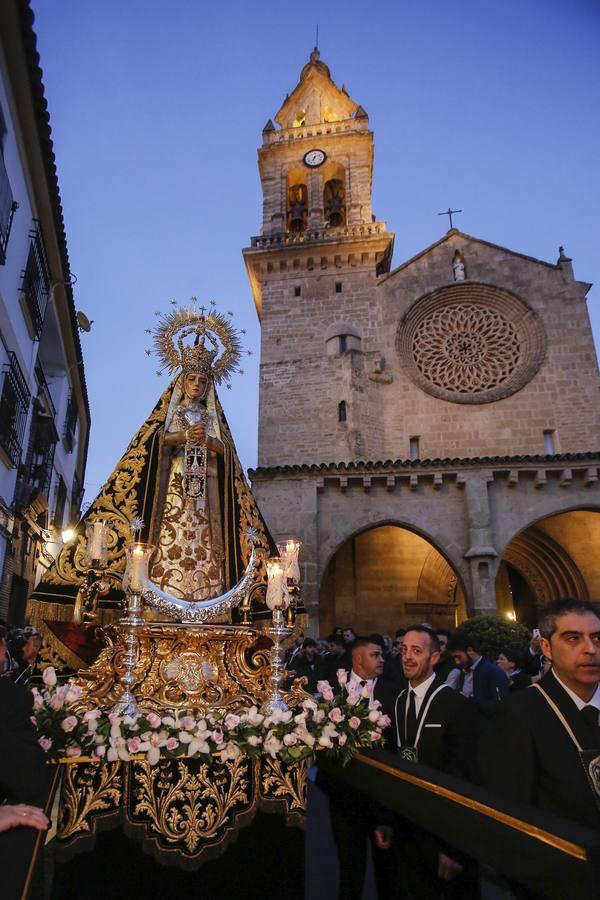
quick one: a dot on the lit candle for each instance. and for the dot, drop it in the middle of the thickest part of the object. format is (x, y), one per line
(292, 549)
(137, 569)
(275, 586)
(98, 542)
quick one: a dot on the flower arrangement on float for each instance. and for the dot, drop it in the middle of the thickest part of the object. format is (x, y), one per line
(341, 723)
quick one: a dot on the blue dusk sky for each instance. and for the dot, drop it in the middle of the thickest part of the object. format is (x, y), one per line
(157, 111)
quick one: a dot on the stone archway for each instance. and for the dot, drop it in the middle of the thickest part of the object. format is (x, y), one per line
(387, 577)
(557, 556)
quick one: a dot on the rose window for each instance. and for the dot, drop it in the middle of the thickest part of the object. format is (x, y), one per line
(471, 343)
(466, 348)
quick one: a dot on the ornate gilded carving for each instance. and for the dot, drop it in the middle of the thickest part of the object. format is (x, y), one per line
(88, 790)
(183, 666)
(189, 803)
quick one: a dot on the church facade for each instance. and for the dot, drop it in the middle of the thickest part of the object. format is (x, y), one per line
(431, 433)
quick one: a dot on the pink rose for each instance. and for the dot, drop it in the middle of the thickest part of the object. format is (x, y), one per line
(375, 735)
(38, 700)
(354, 722)
(45, 743)
(92, 714)
(336, 715)
(342, 676)
(56, 702)
(232, 721)
(367, 690)
(133, 744)
(217, 736)
(384, 721)
(290, 739)
(49, 677)
(187, 723)
(100, 752)
(153, 720)
(114, 718)
(73, 751)
(254, 740)
(325, 690)
(69, 723)
(172, 743)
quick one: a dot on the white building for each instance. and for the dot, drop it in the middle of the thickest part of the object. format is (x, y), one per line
(44, 410)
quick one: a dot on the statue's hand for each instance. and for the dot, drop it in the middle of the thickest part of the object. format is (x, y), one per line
(196, 434)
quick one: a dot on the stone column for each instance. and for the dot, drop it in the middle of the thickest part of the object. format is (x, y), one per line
(315, 202)
(482, 555)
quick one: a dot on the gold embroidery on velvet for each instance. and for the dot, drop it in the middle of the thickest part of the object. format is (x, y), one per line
(188, 808)
(88, 788)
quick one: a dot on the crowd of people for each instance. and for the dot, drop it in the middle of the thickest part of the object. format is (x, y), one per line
(526, 725)
(514, 668)
(522, 726)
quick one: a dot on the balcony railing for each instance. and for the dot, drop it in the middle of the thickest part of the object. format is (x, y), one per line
(35, 285)
(43, 389)
(8, 206)
(14, 406)
(283, 238)
(320, 129)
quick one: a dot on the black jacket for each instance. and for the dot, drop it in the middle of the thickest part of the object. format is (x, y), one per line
(490, 687)
(527, 754)
(446, 738)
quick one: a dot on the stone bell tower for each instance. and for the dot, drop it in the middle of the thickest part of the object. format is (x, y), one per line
(312, 270)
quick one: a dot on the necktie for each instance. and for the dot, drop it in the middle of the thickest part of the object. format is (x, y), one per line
(411, 720)
(590, 714)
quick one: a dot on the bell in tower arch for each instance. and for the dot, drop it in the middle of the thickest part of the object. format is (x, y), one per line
(334, 202)
(297, 216)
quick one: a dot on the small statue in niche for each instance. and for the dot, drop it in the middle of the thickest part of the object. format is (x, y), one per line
(458, 267)
(378, 373)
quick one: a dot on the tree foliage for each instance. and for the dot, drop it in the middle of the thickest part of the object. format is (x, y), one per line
(496, 634)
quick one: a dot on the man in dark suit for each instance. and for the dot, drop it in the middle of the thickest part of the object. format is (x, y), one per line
(353, 817)
(434, 725)
(544, 746)
(308, 664)
(24, 781)
(480, 681)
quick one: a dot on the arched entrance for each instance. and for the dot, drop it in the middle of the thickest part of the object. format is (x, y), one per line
(388, 577)
(557, 556)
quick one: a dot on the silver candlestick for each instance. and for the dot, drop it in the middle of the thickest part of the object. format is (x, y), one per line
(126, 705)
(278, 631)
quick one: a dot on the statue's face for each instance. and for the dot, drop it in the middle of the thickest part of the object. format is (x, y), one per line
(195, 386)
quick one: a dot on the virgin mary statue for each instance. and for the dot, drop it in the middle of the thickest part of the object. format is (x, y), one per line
(179, 486)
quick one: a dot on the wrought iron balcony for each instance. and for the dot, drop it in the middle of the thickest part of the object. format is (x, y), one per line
(8, 206)
(35, 285)
(14, 406)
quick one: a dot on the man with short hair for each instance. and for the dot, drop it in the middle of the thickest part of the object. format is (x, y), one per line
(544, 746)
(337, 658)
(434, 725)
(354, 817)
(309, 664)
(446, 669)
(480, 681)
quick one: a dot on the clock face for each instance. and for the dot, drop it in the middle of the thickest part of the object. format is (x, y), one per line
(314, 158)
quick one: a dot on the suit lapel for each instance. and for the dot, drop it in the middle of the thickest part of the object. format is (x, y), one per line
(569, 710)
